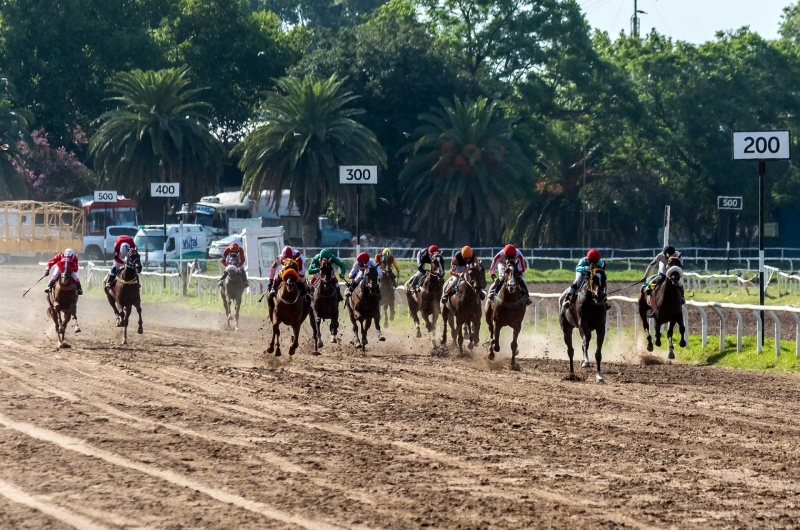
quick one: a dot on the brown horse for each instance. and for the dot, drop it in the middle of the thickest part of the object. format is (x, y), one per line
(388, 285)
(325, 302)
(124, 294)
(364, 307)
(288, 307)
(667, 307)
(63, 302)
(506, 309)
(231, 292)
(463, 308)
(588, 313)
(426, 299)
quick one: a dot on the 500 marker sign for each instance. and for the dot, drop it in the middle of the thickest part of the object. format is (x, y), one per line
(165, 189)
(358, 174)
(105, 196)
(729, 203)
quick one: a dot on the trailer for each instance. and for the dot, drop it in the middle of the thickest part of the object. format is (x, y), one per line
(38, 229)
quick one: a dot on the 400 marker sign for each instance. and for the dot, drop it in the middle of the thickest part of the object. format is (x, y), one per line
(165, 189)
(358, 174)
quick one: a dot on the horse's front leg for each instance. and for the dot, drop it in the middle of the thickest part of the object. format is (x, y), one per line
(567, 330)
(587, 338)
(317, 332)
(413, 312)
(124, 323)
(356, 338)
(236, 319)
(334, 327)
(377, 320)
(75, 317)
(682, 329)
(515, 348)
(646, 326)
(669, 340)
(447, 317)
(139, 329)
(459, 336)
(276, 339)
(391, 309)
(295, 339)
(598, 353)
(365, 325)
(658, 333)
(226, 305)
(475, 337)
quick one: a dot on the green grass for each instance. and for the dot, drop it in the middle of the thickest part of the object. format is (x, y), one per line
(740, 296)
(748, 359)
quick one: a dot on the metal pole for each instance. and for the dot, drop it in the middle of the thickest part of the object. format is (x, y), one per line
(165, 241)
(762, 170)
(358, 220)
(728, 239)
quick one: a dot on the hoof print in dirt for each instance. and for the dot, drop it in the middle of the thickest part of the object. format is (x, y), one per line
(439, 351)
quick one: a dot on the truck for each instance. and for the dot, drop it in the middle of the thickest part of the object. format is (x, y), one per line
(225, 212)
(39, 229)
(184, 242)
(104, 222)
(261, 247)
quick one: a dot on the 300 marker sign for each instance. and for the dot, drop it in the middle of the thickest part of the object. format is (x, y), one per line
(358, 174)
(165, 189)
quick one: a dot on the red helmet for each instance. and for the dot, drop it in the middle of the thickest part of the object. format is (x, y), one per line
(363, 257)
(510, 250)
(433, 249)
(593, 255)
(288, 253)
(234, 245)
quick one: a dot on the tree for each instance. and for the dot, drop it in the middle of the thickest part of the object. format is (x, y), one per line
(53, 174)
(160, 132)
(307, 131)
(14, 127)
(465, 169)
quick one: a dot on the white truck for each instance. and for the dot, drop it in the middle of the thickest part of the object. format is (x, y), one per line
(261, 247)
(184, 242)
(93, 244)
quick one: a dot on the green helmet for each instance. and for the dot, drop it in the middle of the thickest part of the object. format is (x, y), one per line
(326, 254)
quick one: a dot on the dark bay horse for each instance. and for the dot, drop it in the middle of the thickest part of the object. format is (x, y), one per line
(325, 302)
(388, 285)
(63, 306)
(666, 306)
(124, 294)
(506, 309)
(588, 314)
(231, 292)
(363, 304)
(426, 299)
(463, 308)
(288, 307)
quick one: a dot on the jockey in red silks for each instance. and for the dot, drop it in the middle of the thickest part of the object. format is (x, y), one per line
(233, 255)
(277, 267)
(122, 246)
(68, 261)
(359, 271)
(509, 252)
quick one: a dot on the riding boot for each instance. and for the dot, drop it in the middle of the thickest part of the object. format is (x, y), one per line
(306, 292)
(528, 300)
(50, 286)
(224, 275)
(339, 297)
(494, 288)
(80, 290)
(482, 294)
(570, 296)
(110, 282)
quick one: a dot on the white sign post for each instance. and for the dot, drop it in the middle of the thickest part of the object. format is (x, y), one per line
(728, 203)
(761, 146)
(165, 190)
(105, 196)
(358, 175)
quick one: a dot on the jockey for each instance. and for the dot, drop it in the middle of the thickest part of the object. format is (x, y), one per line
(426, 256)
(122, 246)
(62, 260)
(275, 270)
(661, 261)
(359, 271)
(508, 252)
(233, 255)
(582, 270)
(386, 257)
(458, 265)
(314, 268)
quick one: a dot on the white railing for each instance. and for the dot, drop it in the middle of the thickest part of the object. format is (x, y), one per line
(754, 310)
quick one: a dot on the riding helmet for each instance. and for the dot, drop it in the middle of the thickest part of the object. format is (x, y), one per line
(466, 252)
(69, 253)
(288, 252)
(386, 252)
(669, 250)
(593, 255)
(363, 257)
(510, 250)
(234, 245)
(433, 249)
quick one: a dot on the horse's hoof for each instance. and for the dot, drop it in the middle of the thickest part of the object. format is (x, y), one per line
(77, 330)
(491, 356)
(316, 353)
(66, 346)
(278, 353)
(497, 347)
(419, 333)
(320, 344)
(291, 352)
(470, 346)
(516, 367)
(124, 342)
(381, 339)
(658, 342)
(140, 331)
(236, 328)
(271, 349)
(586, 364)
(119, 323)
(682, 343)
(671, 355)
(649, 346)
(599, 378)
(333, 340)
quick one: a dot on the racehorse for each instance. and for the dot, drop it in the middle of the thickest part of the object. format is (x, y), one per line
(288, 307)
(463, 308)
(666, 307)
(588, 313)
(506, 309)
(63, 302)
(426, 300)
(325, 303)
(125, 293)
(388, 285)
(363, 304)
(231, 291)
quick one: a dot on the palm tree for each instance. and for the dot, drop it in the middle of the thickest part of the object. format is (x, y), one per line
(306, 134)
(465, 170)
(159, 133)
(14, 130)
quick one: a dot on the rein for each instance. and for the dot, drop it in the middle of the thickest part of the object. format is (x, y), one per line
(296, 298)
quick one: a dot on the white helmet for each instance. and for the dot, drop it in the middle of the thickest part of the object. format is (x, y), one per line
(69, 253)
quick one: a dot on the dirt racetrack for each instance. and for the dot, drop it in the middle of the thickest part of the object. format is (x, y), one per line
(192, 427)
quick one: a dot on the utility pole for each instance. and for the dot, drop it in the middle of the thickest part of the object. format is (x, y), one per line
(583, 190)
(635, 19)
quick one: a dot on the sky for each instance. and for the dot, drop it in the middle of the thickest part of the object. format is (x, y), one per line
(689, 20)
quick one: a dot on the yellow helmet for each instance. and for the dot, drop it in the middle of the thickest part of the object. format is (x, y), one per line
(466, 252)
(386, 251)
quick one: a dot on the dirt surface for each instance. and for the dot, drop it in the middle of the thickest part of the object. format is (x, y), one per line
(192, 427)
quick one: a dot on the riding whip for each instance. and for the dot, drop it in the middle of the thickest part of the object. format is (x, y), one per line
(34, 285)
(626, 287)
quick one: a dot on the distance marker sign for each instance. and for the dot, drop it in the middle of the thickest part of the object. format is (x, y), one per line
(165, 189)
(729, 203)
(767, 145)
(358, 174)
(105, 196)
